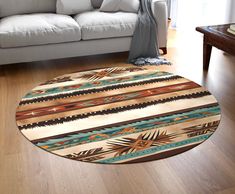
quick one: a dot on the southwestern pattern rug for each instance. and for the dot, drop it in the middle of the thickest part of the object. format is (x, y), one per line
(118, 115)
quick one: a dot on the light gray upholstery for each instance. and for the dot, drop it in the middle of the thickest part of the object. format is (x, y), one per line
(19, 33)
(96, 25)
(69, 7)
(13, 7)
(37, 29)
(159, 8)
(124, 5)
(57, 51)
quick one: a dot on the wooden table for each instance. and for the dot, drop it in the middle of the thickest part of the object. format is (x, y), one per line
(218, 37)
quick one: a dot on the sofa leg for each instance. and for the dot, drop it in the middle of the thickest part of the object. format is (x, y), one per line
(164, 49)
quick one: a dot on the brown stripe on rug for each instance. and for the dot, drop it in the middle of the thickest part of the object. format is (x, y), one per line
(95, 90)
(124, 122)
(105, 109)
(117, 91)
(20, 115)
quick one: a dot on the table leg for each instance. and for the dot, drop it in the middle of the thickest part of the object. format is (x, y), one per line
(206, 54)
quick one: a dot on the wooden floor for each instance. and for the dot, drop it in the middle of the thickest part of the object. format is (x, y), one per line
(208, 168)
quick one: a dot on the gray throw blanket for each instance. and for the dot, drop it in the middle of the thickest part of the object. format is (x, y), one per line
(144, 46)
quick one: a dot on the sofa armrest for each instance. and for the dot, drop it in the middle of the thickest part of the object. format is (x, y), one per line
(159, 9)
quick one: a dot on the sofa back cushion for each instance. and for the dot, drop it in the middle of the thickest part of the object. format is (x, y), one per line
(96, 3)
(121, 5)
(70, 7)
(13, 7)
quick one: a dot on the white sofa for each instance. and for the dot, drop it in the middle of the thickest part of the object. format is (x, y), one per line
(30, 30)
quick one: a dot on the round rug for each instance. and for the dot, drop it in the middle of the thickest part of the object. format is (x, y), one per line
(118, 115)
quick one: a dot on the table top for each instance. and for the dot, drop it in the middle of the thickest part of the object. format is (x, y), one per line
(218, 30)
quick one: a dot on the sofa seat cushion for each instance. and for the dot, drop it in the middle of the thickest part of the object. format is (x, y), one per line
(38, 29)
(96, 25)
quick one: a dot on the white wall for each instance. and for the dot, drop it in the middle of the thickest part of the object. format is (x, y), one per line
(231, 9)
(191, 13)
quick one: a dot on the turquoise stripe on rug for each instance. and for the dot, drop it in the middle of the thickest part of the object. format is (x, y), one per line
(102, 83)
(73, 140)
(156, 149)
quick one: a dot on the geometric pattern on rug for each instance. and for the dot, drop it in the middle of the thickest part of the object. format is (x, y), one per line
(118, 115)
